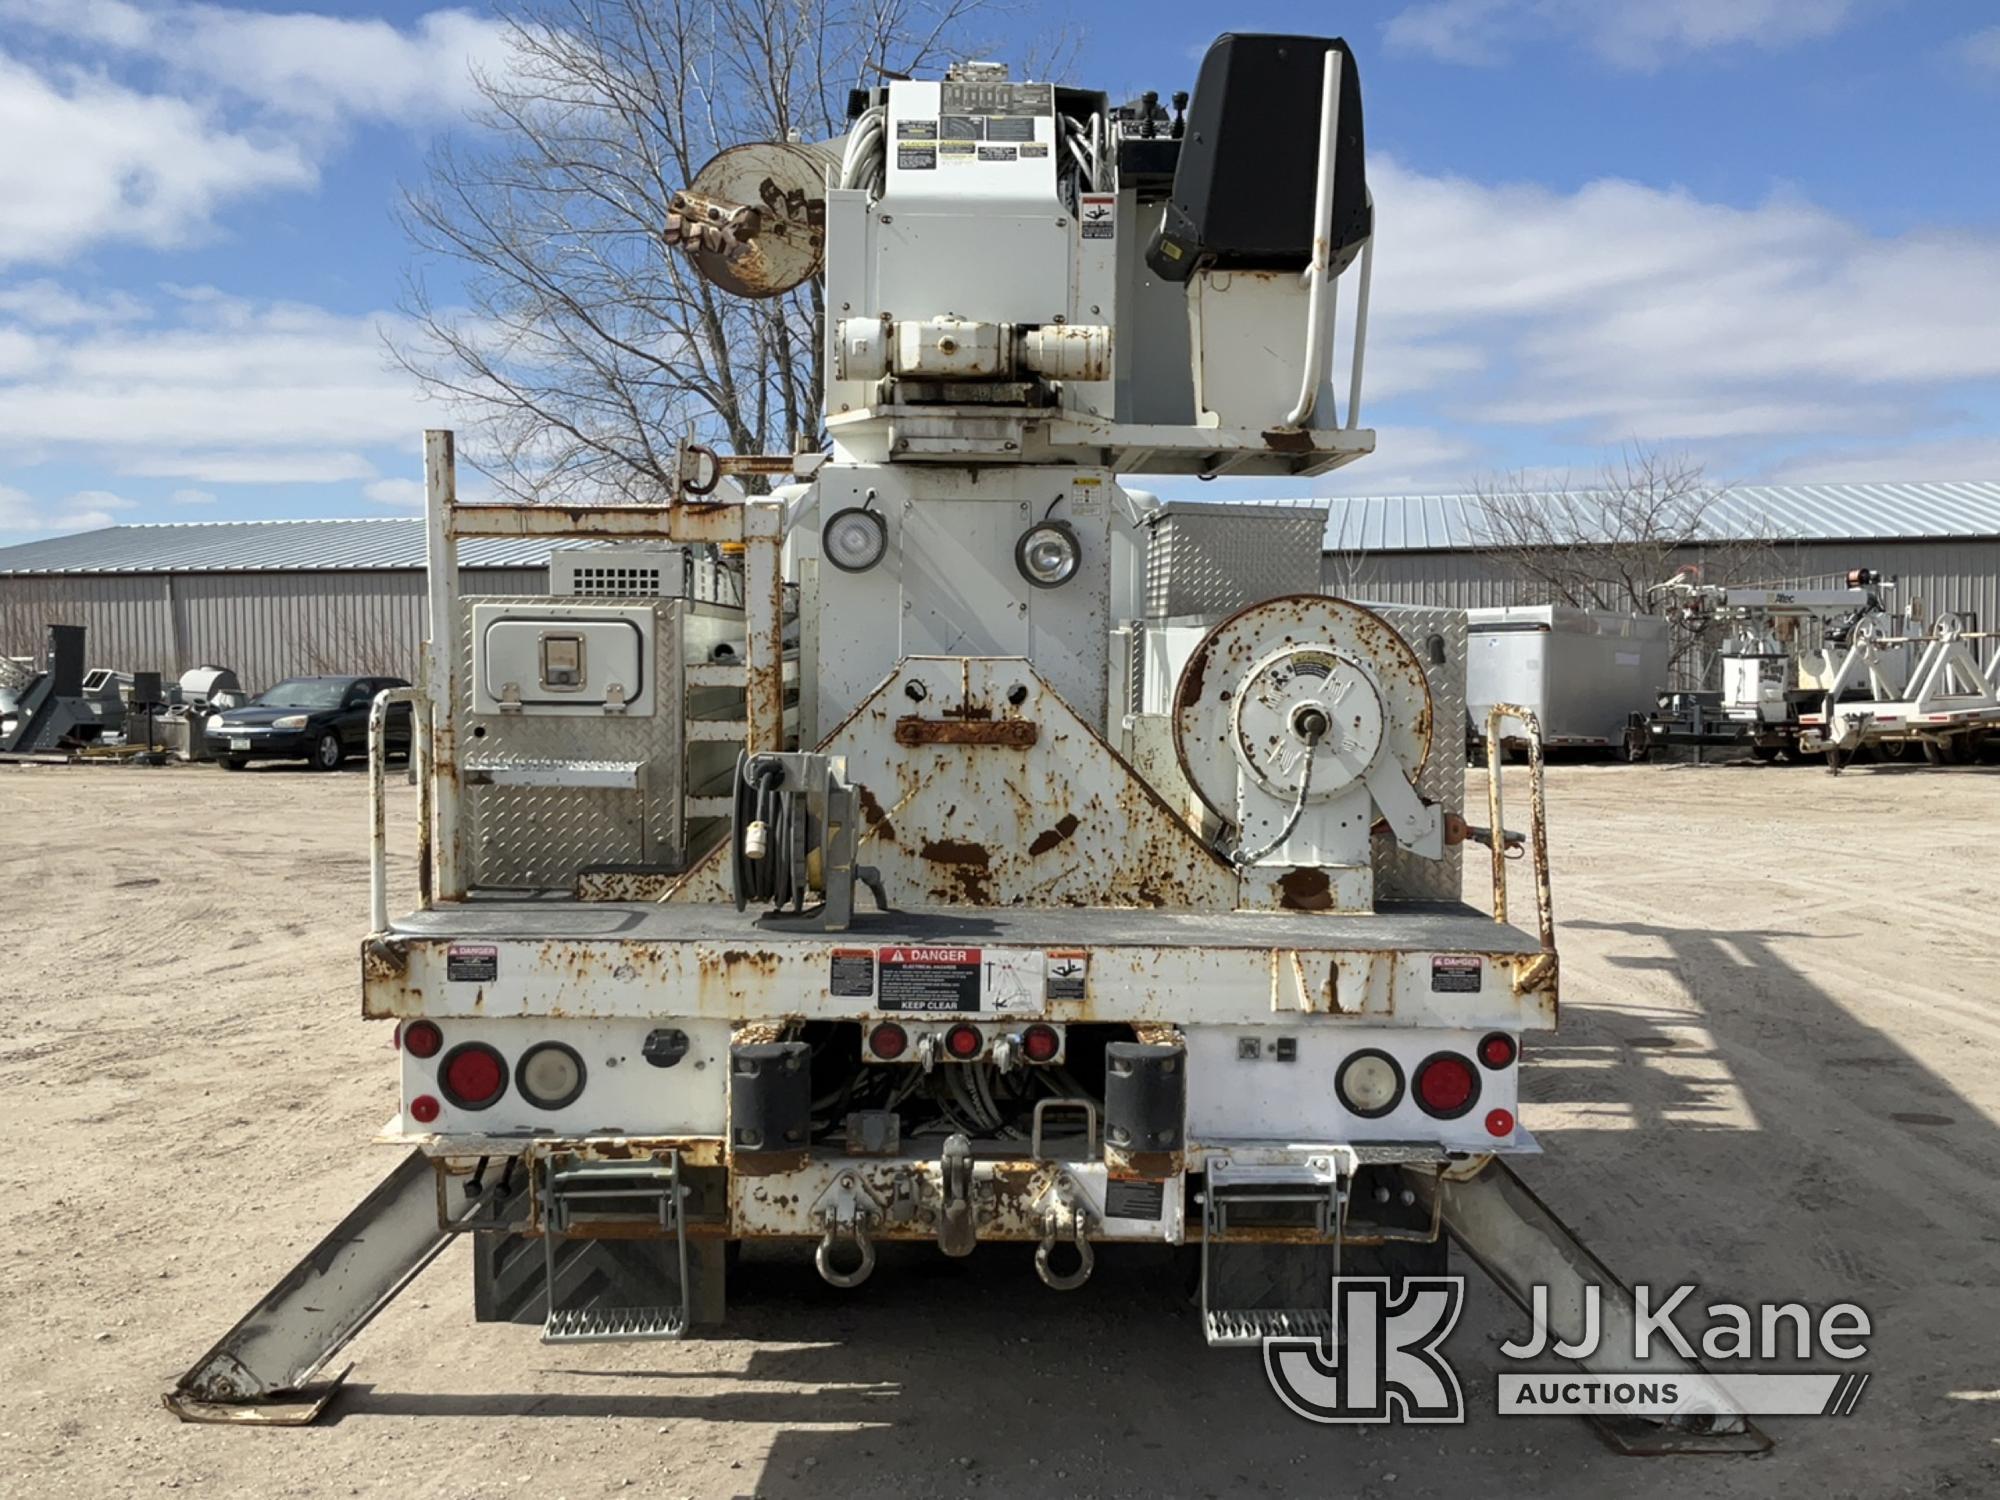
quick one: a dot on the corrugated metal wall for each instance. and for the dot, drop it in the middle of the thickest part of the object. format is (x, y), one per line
(1932, 577)
(265, 625)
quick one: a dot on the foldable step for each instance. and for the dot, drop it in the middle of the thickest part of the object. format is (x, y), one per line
(1236, 1328)
(612, 1325)
(583, 1197)
(1253, 1289)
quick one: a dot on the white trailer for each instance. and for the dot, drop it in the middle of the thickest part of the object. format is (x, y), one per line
(1870, 698)
(1583, 672)
(951, 972)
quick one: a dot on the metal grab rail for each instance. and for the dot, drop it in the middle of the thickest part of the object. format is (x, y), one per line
(1322, 300)
(1538, 824)
(378, 758)
(1319, 272)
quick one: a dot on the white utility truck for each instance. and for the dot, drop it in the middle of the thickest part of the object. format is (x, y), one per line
(1781, 645)
(780, 880)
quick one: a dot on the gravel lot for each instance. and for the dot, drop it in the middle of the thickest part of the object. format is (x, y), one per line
(1776, 1077)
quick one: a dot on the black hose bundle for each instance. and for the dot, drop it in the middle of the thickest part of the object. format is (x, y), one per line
(777, 878)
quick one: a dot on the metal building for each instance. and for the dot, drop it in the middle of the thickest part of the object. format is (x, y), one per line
(270, 598)
(1940, 542)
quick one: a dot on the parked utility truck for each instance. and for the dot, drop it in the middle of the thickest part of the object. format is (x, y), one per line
(818, 906)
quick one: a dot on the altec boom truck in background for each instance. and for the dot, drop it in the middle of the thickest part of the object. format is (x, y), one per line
(779, 880)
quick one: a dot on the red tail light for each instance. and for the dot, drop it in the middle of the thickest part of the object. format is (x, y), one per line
(423, 1109)
(1497, 1050)
(1040, 1044)
(1446, 1086)
(888, 1041)
(964, 1041)
(1499, 1122)
(473, 1075)
(422, 1038)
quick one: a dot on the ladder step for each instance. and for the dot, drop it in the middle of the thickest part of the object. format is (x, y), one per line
(592, 1194)
(606, 1325)
(1236, 1328)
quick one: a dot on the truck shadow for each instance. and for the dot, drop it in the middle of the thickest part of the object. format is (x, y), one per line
(959, 1377)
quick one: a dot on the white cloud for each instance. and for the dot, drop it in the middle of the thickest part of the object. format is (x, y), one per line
(294, 64)
(84, 511)
(88, 160)
(97, 500)
(1458, 31)
(404, 494)
(1942, 460)
(192, 497)
(1623, 311)
(1407, 461)
(1640, 34)
(45, 304)
(227, 466)
(140, 125)
(212, 390)
(1982, 49)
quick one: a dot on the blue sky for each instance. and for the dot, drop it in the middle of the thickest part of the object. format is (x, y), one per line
(1763, 233)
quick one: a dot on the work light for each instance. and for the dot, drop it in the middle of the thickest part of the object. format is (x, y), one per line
(854, 539)
(1048, 554)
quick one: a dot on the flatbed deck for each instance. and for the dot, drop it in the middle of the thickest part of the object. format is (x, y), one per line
(1415, 927)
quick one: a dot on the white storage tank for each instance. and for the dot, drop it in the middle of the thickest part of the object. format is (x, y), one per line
(1581, 671)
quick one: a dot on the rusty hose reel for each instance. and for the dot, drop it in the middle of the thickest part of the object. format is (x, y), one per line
(1258, 691)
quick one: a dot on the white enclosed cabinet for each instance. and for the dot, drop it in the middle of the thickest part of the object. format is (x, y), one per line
(1581, 671)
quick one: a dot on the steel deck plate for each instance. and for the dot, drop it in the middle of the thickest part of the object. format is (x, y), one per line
(1413, 927)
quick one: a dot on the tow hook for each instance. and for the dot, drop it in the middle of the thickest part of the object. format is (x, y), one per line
(845, 1212)
(1065, 1225)
(958, 1230)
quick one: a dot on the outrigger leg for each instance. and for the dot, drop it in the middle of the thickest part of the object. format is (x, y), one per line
(261, 1371)
(1518, 1241)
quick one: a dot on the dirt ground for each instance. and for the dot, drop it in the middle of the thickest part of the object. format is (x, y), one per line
(1776, 1076)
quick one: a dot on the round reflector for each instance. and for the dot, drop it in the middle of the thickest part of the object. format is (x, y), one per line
(1040, 1043)
(1497, 1050)
(472, 1075)
(854, 539)
(1369, 1083)
(1048, 554)
(422, 1038)
(888, 1041)
(549, 1075)
(964, 1042)
(423, 1109)
(1447, 1086)
(1499, 1122)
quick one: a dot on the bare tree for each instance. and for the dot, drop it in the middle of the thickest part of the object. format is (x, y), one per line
(1610, 545)
(1344, 562)
(581, 344)
(360, 646)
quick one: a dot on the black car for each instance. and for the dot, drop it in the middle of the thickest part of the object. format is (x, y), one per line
(319, 720)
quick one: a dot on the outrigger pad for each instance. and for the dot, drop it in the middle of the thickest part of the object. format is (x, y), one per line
(299, 1408)
(1637, 1438)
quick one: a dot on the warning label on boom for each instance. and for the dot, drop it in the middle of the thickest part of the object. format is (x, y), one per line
(928, 979)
